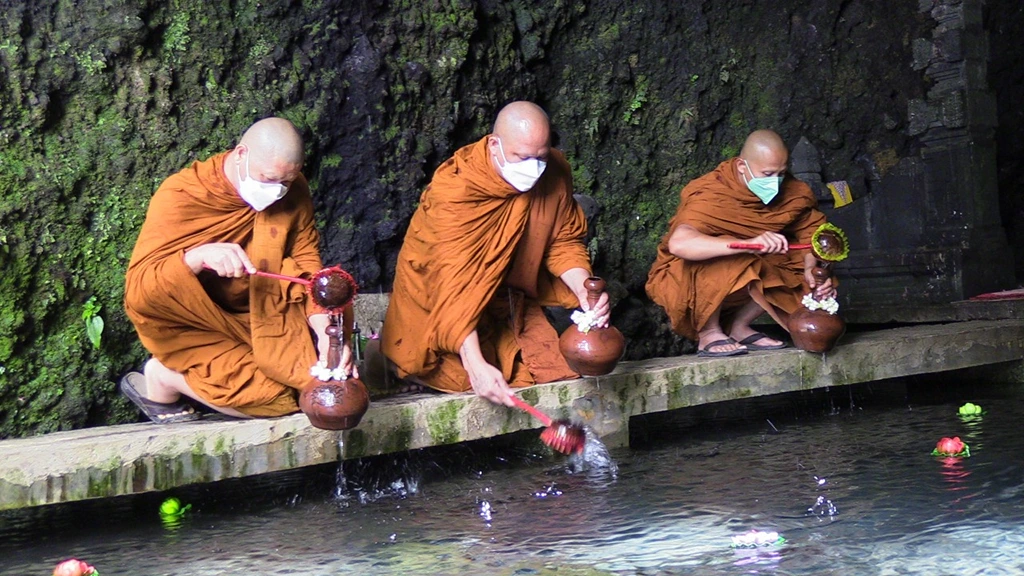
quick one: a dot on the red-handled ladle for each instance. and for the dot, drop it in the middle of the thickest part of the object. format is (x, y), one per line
(561, 435)
(828, 243)
(752, 246)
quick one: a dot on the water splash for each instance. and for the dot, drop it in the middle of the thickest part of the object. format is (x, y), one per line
(485, 512)
(594, 458)
(367, 483)
(550, 491)
(822, 507)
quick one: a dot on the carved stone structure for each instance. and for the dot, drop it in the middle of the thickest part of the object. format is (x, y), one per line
(930, 231)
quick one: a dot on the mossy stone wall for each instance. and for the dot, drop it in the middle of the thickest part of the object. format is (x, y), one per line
(102, 99)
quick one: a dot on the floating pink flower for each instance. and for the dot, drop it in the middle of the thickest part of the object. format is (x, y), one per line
(74, 567)
(951, 447)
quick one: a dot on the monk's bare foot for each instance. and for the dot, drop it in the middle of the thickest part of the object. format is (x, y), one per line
(718, 344)
(754, 340)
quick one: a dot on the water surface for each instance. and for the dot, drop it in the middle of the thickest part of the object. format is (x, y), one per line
(846, 477)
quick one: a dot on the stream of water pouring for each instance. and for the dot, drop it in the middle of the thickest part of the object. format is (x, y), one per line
(340, 482)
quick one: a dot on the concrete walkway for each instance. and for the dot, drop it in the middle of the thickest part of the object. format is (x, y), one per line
(130, 459)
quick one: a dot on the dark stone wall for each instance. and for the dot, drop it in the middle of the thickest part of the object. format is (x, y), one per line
(1005, 23)
(102, 99)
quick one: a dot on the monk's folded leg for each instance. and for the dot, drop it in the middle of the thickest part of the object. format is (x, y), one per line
(223, 372)
(539, 351)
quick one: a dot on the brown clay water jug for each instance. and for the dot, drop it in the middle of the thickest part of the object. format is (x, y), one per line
(334, 404)
(816, 330)
(597, 351)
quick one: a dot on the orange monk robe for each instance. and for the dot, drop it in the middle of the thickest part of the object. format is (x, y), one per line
(240, 342)
(720, 204)
(480, 255)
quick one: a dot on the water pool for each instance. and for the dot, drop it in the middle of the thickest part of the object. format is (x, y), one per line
(846, 476)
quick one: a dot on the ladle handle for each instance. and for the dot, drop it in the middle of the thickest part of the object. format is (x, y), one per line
(748, 246)
(544, 418)
(302, 281)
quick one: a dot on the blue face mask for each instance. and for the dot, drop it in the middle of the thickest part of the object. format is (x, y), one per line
(765, 188)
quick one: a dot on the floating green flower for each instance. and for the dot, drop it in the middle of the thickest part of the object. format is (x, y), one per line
(172, 508)
(970, 409)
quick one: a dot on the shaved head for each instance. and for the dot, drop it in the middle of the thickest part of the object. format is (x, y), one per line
(521, 132)
(762, 145)
(522, 119)
(763, 154)
(270, 151)
(274, 139)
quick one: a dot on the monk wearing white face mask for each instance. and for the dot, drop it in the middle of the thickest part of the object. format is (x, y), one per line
(712, 293)
(497, 235)
(237, 343)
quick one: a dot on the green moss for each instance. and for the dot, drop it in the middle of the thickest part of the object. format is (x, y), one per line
(563, 395)
(355, 444)
(530, 395)
(223, 445)
(100, 487)
(443, 422)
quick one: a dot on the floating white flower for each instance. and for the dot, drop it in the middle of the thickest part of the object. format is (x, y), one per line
(584, 320)
(756, 538)
(829, 305)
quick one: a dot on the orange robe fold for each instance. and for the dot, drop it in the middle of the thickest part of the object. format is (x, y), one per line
(240, 342)
(719, 204)
(480, 255)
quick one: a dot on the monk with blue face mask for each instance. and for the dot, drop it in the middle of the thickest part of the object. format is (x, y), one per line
(711, 292)
(496, 236)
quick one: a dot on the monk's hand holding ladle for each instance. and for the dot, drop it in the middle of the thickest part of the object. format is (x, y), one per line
(770, 242)
(486, 380)
(225, 259)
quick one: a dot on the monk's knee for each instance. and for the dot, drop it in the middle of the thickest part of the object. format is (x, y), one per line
(160, 376)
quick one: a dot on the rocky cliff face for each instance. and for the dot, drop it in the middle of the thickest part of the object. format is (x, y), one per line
(102, 99)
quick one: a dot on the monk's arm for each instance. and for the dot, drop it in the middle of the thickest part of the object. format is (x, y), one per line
(486, 380)
(688, 243)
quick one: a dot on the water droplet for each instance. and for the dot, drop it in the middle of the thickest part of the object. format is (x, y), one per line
(822, 508)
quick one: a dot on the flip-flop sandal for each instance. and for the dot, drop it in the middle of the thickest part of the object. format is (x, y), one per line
(705, 352)
(758, 336)
(161, 413)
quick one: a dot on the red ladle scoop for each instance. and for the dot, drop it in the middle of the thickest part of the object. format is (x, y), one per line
(561, 435)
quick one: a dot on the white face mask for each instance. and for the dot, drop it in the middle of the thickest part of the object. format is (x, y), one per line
(258, 194)
(521, 175)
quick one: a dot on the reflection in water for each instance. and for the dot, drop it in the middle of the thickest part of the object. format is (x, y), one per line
(671, 505)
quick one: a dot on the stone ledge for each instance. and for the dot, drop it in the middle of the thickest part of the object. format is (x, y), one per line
(136, 458)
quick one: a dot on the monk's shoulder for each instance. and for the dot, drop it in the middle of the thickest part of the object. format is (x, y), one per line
(713, 182)
(556, 160)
